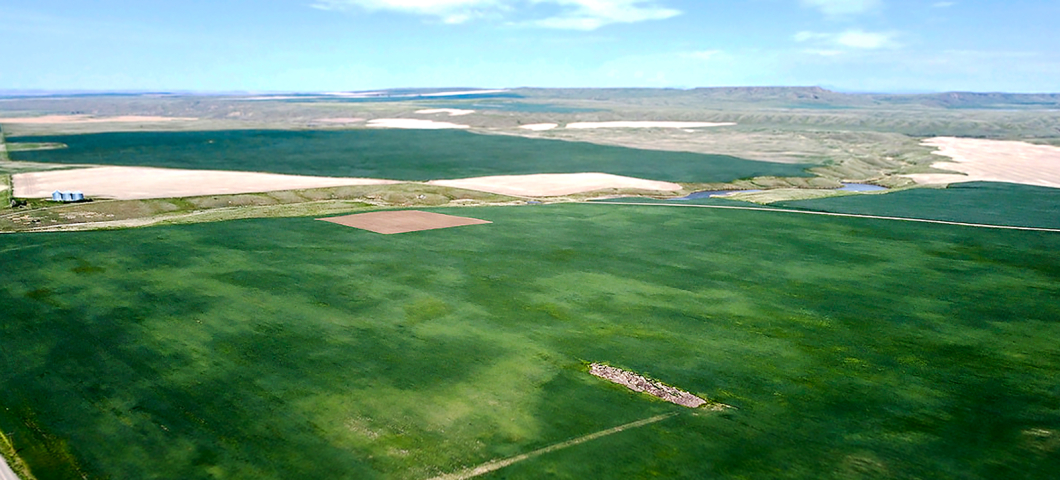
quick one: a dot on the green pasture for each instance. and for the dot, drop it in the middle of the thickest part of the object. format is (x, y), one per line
(974, 202)
(294, 348)
(393, 154)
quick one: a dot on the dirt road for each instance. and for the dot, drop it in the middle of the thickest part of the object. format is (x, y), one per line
(499, 464)
(5, 471)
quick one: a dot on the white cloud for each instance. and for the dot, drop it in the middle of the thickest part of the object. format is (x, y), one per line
(943, 4)
(853, 38)
(866, 40)
(842, 8)
(572, 15)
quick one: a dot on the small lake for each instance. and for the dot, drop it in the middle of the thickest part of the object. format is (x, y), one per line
(847, 187)
(861, 187)
(712, 193)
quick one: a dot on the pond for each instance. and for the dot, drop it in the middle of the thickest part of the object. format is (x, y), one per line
(712, 193)
(861, 187)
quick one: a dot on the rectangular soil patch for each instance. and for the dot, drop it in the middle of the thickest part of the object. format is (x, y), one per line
(402, 221)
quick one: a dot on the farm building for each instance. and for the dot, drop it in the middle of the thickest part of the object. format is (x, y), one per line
(74, 196)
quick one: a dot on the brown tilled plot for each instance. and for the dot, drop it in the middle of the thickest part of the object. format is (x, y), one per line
(402, 221)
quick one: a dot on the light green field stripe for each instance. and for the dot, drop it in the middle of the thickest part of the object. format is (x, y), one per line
(499, 464)
(831, 214)
(9, 457)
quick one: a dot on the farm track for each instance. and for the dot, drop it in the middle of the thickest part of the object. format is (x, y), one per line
(6, 473)
(495, 465)
(846, 215)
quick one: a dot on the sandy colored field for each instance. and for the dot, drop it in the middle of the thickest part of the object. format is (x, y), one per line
(413, 124)
(402, 221)
(133, 183)
(539, 127)
(453, 112)
(339, 120)
(584, 125)
(61, 119)
(551, 184)
(993, 161)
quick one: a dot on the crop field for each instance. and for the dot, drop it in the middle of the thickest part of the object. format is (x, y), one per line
(294, 348)
(974, 202)
(390, 154)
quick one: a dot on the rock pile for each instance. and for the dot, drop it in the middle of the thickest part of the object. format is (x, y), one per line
(652, 387)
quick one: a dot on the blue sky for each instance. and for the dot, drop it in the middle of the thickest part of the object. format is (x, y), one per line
(330, 45)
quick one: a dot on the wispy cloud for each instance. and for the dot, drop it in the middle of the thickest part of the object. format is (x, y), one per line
(822, 52)
(842, 8)
(702, 54)
(593, 14)
(943, 4)
(853, 38)
(571, 15)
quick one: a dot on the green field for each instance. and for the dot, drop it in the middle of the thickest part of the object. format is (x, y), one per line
(393, 154)
(974, 202)
(293, 348)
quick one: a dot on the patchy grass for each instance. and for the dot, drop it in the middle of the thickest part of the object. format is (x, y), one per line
(5, 190)
(43, 215)
(30, 146)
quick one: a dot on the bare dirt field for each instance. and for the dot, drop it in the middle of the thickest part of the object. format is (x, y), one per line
(403, 221)
(539, 127)
(584, 125)
(411, 123)
(339, 120)
(60, 119)
(552, 184)
(135, 183)
(993, 161)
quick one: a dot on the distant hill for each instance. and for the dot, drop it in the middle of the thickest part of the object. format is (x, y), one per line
(803, 97)
(978, 100)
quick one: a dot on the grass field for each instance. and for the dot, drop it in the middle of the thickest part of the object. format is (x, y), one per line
(293, 348)
(974, 202)
(392, 154)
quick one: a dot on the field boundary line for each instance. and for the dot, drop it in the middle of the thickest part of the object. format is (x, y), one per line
(495, 465)
(833, 214)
